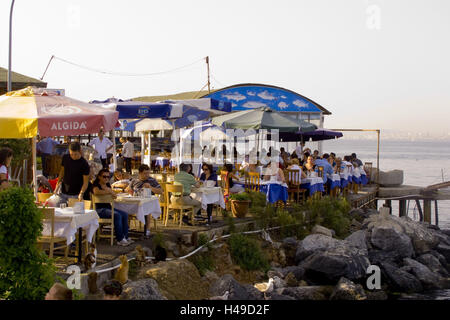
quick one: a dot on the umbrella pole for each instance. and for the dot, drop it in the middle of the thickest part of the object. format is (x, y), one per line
(142, 147)
(113, 134)
(33, 151)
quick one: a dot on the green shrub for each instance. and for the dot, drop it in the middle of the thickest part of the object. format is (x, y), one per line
(244, 196)
(230, 223)
(246, 252)
(159, 240)
(258, 200)
(203, 240)
(25, 272)
(204, 263)
(330, 213)
(292, 224)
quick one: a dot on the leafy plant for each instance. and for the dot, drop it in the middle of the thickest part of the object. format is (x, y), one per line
(230, 223)
(159, 240)
(244, 196)
(204, 263)
(204, 240)
(26, 273)
(258, 200)
(246, 252)
(330, 213)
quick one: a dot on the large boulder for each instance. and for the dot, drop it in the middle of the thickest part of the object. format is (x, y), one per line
(312, 244)
(340, 260)
(289, 245)
(143, 289)
(400, 279)
(170, 274)
(297, 271)
(391, 240)
(307, 293)
(318, 229)
(235, 289)
(422, 238)
(358, 239)
(390, 178)
(444, 250)
(433, 264)
(347, 290)
(428, 279)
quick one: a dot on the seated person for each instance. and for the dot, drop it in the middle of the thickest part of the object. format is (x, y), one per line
(233, 188)
(187, 181)
(120, 182)
(295, 165)
(339, 166)
(209, 174)
(112, 290)
(144, 181)
(327, 168)
(101, 186)
(348, 165)
(274, 173)
(309, 166)
(59, 292)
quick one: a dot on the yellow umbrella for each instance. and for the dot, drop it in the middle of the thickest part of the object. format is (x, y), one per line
(18, 116)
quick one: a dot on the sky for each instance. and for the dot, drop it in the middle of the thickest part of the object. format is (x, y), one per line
(374, 64)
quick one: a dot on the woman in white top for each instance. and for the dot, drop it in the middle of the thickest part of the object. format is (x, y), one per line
(6, 155)
(274, 173)
(295, 165)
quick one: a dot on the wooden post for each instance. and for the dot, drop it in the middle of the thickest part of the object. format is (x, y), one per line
(420, 210)
(388, 203)
(402, 208)
(436, 213)
(427, 210)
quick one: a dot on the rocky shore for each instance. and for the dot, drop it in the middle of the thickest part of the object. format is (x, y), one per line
(412, 257)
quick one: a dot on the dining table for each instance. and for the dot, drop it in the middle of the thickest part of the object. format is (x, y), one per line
(208, 195)
(312, 184)
(140, 206)
(67, 223)
(334, 181)
(274, 190)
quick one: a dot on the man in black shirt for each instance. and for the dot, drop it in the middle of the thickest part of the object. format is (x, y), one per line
(73, 178)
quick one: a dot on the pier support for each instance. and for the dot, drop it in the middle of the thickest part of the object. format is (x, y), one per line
(427, 210)
(436, 214)
(388, 203)
(420, 210)
(402, 208)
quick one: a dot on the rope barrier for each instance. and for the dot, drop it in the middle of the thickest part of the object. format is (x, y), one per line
(196, 250)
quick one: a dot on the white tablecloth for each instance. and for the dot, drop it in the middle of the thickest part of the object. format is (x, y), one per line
(335, 177)
(67, 224)
(283, 184)
(208, 196)
(313, 180)
(139, 206)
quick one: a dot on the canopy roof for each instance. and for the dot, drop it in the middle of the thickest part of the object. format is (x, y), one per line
(24, 113)
(262, 118)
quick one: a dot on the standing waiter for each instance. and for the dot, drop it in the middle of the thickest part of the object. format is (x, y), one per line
(128, 153)
(102, 145)
(73, 178)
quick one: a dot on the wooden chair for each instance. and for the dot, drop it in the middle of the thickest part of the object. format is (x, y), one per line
(178, 208)
(252, 181)
(225, 185)
(104, 198)
(163, 202)
(293, 179)
(87, 203)
(51, 240)
(42, 197)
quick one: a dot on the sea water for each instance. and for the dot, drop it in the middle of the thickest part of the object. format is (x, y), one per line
(423, 163)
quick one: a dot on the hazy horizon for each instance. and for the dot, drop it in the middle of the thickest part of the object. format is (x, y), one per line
(373, 64)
